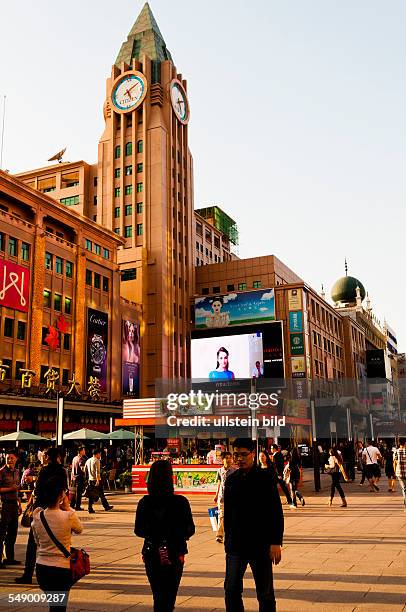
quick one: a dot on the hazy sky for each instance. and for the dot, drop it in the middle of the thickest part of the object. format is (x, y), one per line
(297, 118)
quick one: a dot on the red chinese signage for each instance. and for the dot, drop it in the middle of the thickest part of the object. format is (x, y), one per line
(14, 286)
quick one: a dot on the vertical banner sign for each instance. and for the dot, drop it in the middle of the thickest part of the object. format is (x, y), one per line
(130, 359)
(14, 286)
(97, 343)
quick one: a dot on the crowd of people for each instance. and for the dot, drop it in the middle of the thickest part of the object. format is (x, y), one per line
(250, 525)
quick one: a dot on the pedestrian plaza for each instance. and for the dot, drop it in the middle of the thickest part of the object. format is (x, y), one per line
(347, 559)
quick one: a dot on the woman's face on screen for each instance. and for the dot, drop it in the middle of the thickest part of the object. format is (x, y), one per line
(223, 360)
(216, 306)
(131, 333)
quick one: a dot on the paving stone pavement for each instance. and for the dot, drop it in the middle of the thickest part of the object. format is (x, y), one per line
(349, 559)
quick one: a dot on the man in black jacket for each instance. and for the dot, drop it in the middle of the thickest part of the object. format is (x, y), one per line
(253, 523)
(279, 463)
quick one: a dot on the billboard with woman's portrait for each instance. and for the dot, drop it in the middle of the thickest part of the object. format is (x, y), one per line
(130, 356)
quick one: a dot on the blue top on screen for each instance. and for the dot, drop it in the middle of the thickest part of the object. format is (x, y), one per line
(224, 375)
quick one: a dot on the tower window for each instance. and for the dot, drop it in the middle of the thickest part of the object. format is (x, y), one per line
(128, 170)
(139, 229)
(129, 148)
(139, 207)
(256, 284)
(128, 209)
(139, 167)
(140, 146)
(116, 192)
(117, 152)
(128, 231)
(128, 189)
(139, 187)
(117, 172)
(116, 212)
(48, 260)
(130, 274)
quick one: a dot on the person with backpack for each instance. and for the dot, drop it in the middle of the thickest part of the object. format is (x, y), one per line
(165, 522)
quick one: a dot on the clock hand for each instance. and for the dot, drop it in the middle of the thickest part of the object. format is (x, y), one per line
(130, 88)
(127, 91)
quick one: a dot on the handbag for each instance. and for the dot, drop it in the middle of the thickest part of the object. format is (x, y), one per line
(26, 518)
(79, 559)
(91, 492)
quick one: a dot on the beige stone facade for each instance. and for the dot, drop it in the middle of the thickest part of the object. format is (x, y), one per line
(72, 263)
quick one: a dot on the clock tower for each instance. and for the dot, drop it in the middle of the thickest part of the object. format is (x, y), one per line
(145, 194)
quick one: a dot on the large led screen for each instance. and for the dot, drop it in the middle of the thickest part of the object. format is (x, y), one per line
(227, 357)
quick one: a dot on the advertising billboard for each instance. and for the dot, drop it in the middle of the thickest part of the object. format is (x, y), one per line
(296, 321)
(14, 286)
(298, 367)
(227, 357)
(235, 309)
(297, 344)
(97, 343)
(375, 361)
(130, 359)
(295, 299)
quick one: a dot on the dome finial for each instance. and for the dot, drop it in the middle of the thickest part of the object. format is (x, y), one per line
(346, 266)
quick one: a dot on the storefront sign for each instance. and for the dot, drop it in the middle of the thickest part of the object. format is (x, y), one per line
(97, 343)
(298, 367)
(295, 299)
(296, 321)
(235, 309)
(130, 359)
(14, 286)
(296, 344)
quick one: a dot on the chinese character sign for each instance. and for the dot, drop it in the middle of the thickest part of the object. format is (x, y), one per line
(14, 286)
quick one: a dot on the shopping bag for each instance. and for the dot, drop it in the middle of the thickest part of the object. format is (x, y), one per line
(213, 516)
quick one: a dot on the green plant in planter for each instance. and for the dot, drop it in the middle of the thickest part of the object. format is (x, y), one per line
(125, 479)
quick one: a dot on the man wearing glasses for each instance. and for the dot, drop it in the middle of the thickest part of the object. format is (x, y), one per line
(253, 523)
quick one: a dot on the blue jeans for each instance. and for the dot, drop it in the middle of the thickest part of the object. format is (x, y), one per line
(402, 482)
(261, 566)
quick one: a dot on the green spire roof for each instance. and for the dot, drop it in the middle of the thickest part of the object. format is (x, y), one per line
(144, 37)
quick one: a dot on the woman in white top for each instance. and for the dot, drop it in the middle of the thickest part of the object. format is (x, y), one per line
(53, 568)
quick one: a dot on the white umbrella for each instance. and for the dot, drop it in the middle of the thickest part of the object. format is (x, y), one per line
(124, 434)
(85, 434)
(21, 436)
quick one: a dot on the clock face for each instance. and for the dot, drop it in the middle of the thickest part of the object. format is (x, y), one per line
(179, 101)
(128, 91)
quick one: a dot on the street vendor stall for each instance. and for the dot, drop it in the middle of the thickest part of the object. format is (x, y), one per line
(186, 478)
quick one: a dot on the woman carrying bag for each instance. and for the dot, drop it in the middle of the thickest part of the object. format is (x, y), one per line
(53, 568)
(165, 521)
(334, 467)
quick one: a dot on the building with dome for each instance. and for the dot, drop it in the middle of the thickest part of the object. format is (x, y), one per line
(369, 352)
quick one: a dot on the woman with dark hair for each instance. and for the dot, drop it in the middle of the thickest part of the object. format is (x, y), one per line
(389, 469)
(131, 347)
(222, 371)
(334, 467)
(53, 568)
(292, 477)
(165, 521)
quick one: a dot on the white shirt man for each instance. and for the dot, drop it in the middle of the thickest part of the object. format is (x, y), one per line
(370, 458)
